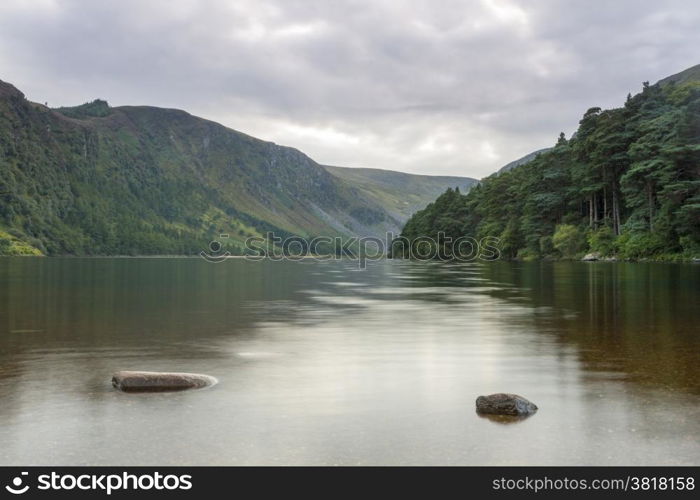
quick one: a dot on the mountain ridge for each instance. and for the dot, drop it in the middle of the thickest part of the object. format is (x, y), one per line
(521, 161)
(401, 193)
(95, 179)
(691, 74)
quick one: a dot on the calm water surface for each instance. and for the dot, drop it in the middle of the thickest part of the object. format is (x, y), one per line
(320, 363)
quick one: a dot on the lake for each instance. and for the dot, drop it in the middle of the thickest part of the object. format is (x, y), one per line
(323, 363)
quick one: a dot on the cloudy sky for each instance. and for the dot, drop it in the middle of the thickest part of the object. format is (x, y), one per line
(434, 87)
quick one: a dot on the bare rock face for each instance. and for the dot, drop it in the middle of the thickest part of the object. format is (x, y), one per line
(504, 404)
(137, 381)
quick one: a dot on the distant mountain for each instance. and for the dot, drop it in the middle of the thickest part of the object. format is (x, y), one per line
(93, 179)
(521, 161)
(400, 194)
(691, 74)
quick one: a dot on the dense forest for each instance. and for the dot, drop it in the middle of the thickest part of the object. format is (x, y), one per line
(627, 184)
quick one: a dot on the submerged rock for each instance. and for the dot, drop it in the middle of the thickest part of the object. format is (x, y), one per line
(137, 381)
(504, 404)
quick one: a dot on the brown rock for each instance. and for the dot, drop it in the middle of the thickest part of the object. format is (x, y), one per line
(137, 381)
(504, 404)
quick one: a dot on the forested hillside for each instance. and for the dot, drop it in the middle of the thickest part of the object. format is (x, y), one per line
(626, 185)
(131, 180)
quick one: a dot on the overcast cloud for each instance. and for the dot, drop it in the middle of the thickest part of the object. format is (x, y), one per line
(433, 87)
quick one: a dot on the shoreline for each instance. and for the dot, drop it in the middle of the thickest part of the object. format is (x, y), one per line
(604, 260)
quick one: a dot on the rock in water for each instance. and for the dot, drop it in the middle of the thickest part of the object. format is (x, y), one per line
(591, 257)
(160, 381)
(504, 404)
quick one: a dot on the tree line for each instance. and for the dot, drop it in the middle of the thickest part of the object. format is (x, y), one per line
(626, 184)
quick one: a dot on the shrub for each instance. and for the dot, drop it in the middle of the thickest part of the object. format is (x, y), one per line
(691, 247)
(602, 240)
(639, 245)
(546, 246)
(527, 254)
(568, 240)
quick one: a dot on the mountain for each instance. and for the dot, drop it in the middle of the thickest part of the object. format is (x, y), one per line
(399, 193)
(627, 184)
(521, 161)
(95, 179)
(689, 75)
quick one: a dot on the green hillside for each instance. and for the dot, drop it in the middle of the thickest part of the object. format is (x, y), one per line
(626, 185)
(399, 193)
(97, 180)
(689, 75)
(521, 161)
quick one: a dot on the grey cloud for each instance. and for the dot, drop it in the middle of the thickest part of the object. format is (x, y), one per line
(451, 87)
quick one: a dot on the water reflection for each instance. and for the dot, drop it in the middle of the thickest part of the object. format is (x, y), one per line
(504, 419)
(637, 320)
(321, 364)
